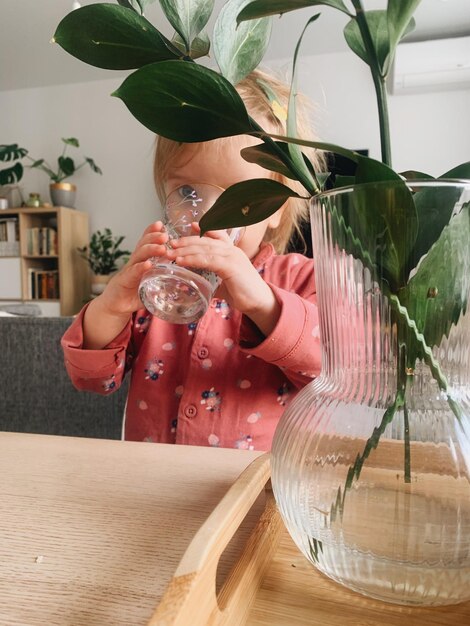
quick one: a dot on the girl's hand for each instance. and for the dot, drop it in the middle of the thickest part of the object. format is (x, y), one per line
(120, 298)
(242, 286)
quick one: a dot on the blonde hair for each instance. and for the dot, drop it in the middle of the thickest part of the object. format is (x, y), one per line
(266, 98)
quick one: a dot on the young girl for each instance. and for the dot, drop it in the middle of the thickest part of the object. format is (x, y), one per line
(226, 380)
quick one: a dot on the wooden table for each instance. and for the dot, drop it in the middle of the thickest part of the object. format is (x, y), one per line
(91, 531)
(96, 533)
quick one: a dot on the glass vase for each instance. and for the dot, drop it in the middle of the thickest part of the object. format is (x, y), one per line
(371, 462)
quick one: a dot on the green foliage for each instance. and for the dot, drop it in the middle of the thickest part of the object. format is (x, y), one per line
(247, 203)
(13, 173)
(400, 235)
(65, 165)
(188, 18)
(103, 252)
(184, 102)
(112, 37)
(239, 48)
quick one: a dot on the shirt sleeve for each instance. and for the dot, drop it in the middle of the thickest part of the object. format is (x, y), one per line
(294, 344)
(101, 371)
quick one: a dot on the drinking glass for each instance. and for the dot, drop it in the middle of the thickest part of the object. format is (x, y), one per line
(181, 295)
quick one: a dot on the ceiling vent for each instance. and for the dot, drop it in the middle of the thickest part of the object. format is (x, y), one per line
(435, 65)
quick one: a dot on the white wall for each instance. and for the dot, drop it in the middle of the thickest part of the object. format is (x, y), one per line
(123, 198)
(430, 132)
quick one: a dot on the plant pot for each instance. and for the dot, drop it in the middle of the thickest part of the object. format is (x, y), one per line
(371, 462)
(63, 194)
(99, 282)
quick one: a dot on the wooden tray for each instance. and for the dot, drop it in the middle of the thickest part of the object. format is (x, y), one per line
(272, 583)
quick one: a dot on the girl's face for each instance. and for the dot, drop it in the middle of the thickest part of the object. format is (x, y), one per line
(219, 163)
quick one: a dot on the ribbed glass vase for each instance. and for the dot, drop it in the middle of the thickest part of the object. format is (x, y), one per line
(371, 462)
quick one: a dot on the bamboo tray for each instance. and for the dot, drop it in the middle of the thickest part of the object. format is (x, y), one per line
(272, 584)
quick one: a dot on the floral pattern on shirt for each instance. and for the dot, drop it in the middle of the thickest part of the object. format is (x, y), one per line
(222, 308)
(142, 323)
(244, 443)
(110, 383)
(191, 328)
(283, 394)
(154, 369)
(211, 399)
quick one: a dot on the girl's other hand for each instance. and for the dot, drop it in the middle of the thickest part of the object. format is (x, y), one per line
(241, 286)
(120, 298)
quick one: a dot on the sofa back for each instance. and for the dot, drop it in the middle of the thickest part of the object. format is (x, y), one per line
(36, 395)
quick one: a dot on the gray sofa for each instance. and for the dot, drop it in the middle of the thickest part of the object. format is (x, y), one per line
(36, 395)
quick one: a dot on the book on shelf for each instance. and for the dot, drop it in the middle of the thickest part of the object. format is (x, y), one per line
(9, 237)
(41, 241)
(43, 284)
(9, 230)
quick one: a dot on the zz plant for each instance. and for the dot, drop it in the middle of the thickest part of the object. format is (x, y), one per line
(174, 96)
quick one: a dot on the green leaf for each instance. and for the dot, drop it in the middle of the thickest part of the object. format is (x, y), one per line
(127, 4)
(41, 164)
(400, 23)
(93, 165)
(385, 222)
(200, 45)
(67, 165)
(436, 296)
(262, 8)
(71, 141)
(367, 170)
(378, 27)
(415, 175)
(435, 206)
(131, 4)
(294, 150)
(461, 171)
(10, 152)
(184, 102)
(264, 156)
(188, 17)
(11, 175)
(343, 181)
(112, 37)
(239, 50)
(386, 28)
(246, 203)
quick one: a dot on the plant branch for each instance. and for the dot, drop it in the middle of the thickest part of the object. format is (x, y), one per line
(429, 359)
(406, 423)
(309, 185)
(379, 83)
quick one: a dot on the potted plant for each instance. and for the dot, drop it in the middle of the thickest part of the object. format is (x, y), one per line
(63, 194)
(371, 461)
(101, 255)
(11, 175)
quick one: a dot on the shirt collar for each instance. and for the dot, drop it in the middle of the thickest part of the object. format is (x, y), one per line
(265, 252)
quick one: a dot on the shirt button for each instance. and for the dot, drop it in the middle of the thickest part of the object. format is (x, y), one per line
(190, 410)
(203, 353)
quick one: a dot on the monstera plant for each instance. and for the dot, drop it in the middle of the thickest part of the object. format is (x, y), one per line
(13, 154)
(381, 437)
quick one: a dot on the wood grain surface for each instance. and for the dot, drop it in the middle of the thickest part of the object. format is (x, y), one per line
(91, 531)
(294, 593)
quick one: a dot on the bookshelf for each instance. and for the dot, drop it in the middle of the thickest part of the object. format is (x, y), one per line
(39, 261)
